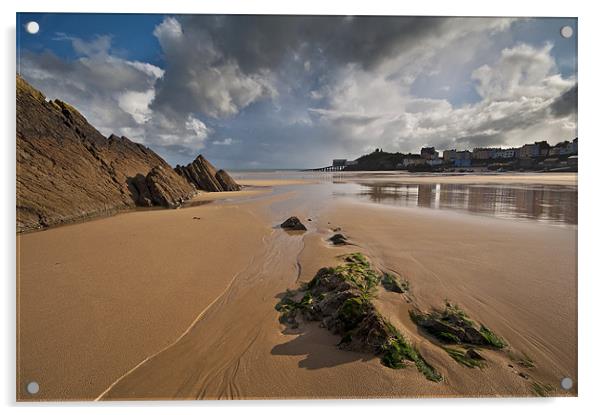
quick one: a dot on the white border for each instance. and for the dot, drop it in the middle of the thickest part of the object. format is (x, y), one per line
(590, 202)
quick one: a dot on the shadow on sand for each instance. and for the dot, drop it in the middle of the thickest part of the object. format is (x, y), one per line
(318, 345)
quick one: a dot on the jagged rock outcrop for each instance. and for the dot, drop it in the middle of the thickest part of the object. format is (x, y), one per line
(161, 187)
(203, 176)
(226, 181)
(67, 170)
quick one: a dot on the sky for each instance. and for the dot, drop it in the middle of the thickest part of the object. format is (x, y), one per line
(260, 92)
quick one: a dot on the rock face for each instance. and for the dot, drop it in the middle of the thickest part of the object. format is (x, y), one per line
(67, 170)
(160, 187)
(203, 176)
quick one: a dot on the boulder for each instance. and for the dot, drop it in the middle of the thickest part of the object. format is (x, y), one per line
(293, 224)
(338, 239)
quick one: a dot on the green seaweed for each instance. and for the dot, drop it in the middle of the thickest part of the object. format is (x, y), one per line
(392, 283)
(541, 389)
(461, 357)
(492, 338)
(452, 325)
(397, 351)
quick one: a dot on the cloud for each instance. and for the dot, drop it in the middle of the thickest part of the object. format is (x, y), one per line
(521, 72)
(315, 87)
(520, 88)
(565, 104)
(200, 78)
(225, 142)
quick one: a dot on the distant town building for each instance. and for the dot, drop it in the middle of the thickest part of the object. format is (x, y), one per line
(449, 155)
(482, 153)
(504, 153)
(564, 148)
(544, 148)
(429, 153)
(528, 151)
(434, 162)
(339, 162)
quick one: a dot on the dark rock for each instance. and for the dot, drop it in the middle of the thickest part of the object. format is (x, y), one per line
(523, 375)
(167, 188)
(203, 176)
(294, 224)
(227, 182)
(338, 239)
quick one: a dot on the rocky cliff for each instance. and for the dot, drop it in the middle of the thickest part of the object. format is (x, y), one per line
(204, 176)
(67, 170)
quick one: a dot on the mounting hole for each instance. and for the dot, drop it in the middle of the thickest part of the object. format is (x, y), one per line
(566, 32)
(32, 27)
(33, 388)
(566, 383)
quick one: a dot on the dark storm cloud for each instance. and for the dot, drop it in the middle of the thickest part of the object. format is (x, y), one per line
(257, 42)
(566, 104)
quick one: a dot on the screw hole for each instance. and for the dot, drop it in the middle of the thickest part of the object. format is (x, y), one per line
(566, 32)
(33, 388)
(566, 383)
(32, 27)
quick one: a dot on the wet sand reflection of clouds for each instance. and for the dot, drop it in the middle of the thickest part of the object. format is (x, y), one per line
(547, 203)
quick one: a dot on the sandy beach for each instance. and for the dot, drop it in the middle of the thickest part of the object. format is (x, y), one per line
(164, 304)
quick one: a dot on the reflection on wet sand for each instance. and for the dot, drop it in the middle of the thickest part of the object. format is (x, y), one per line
(547, 203)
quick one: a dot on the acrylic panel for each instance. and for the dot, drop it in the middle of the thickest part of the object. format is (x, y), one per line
(295, 207)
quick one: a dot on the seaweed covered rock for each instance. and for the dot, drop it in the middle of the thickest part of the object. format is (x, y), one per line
(293, 224)
(452, 325)
(393, 283)
(341, 299)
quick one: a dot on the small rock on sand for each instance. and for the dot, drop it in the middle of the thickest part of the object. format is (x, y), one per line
(294, 224)
(338, 239)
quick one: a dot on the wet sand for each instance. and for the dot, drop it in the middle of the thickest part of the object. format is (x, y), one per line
(156, 305)
(95, 298)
